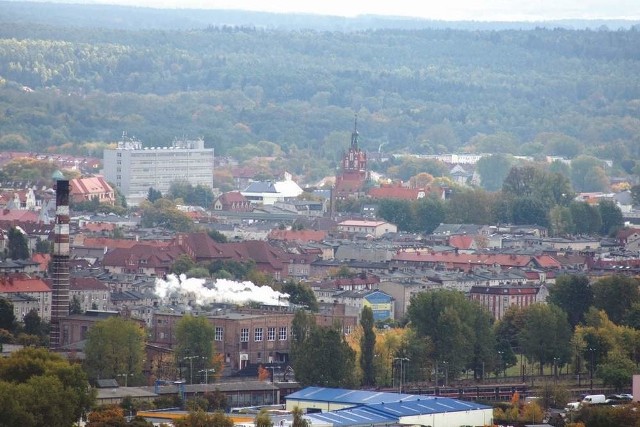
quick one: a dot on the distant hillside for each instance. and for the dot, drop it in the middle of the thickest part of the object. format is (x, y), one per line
(252, 91)
(59, 13)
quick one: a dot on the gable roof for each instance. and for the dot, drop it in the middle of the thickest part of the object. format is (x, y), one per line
(89, 185)
(22, 283)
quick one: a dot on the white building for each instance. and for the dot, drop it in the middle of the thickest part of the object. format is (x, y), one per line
(133, 169)
(268, 192)
(374, 228)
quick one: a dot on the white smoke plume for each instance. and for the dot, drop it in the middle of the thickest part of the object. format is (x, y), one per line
(220, 291)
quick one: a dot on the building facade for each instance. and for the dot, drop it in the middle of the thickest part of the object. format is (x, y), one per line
(134, 168)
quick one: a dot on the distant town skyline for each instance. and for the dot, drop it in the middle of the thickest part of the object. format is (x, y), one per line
(452, 10)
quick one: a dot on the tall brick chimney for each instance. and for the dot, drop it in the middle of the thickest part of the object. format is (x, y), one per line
(60, 264)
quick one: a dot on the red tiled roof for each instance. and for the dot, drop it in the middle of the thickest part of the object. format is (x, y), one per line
(461, 260)
(42, 259)
(89, 185)
(398, 192)
(23, 284)
(86, 284)
(461, 241)
(102, 242)
(18, 215)
(232, 197)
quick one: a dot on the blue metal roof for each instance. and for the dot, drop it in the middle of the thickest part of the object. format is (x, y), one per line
(351, 417)
(354, 397)
(425, 405)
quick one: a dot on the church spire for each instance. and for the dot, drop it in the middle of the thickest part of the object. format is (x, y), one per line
(354, 134)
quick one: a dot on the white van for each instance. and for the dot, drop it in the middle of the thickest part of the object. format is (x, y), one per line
(594, 399)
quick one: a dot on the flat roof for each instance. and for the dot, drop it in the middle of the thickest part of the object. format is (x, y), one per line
(354, 397)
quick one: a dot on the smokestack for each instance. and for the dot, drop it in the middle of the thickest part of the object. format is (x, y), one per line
(60, 264)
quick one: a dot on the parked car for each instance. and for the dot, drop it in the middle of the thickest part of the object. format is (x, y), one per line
(593, 399)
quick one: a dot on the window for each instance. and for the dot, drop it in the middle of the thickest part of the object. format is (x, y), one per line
(244, 335)
(282, 333)
(257, 335)
(271, 334)
(219, 333)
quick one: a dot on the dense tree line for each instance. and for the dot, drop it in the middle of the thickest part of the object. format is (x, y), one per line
(539, 91)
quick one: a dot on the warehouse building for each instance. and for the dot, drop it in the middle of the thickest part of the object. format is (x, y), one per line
(330, 407)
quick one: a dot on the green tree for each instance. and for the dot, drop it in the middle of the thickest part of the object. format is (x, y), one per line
(617, 370)
(429, 213)
(17, 245)
(300, 294)
(545, 334)
(458, 328)
(324, 359)
(367, 346)
(202, 419)
(182, 264)
(43, 246)
(39, 388)
(115, 347)
(573, 294)
(611, 216)
(7, 317)
(153, 194)
(33, 323)
(615, 295)
(635, 194)
(298, 418)
(194, 344)
(397, 212)
(587, 174)
(74, 305)
(493, 170)
(586, 218)
(263, 419)
(217, 236)
(470, 206)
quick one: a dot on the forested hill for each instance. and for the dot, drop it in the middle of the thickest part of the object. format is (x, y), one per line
(66, 13)
(422, 91)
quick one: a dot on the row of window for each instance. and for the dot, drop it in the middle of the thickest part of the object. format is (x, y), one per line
(258, 334)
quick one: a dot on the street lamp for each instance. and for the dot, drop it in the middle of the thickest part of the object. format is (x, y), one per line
(446, 372)
(190, 359)
(401, 359)
(500, 353)
(556, 360)
(273, 382)
(591, 350)
(206, 374)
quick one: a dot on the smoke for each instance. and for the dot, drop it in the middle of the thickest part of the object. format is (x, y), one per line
(220, 291)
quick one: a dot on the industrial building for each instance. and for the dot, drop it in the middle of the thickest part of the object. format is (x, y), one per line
(331, 407)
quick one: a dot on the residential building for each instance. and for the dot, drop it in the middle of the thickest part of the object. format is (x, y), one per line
(367, 227)
(28, 293)
(90, 188)
(90, 293)
(134, 168)
(232, 201)
(497, 299)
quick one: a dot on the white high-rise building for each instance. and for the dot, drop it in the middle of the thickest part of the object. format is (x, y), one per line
(133, 169)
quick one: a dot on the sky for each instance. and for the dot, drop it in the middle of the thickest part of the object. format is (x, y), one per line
(448, 10)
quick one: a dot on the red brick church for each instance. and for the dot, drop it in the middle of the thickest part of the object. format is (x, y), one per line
(354, 175)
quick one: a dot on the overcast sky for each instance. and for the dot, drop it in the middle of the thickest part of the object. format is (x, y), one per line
(479, 10)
